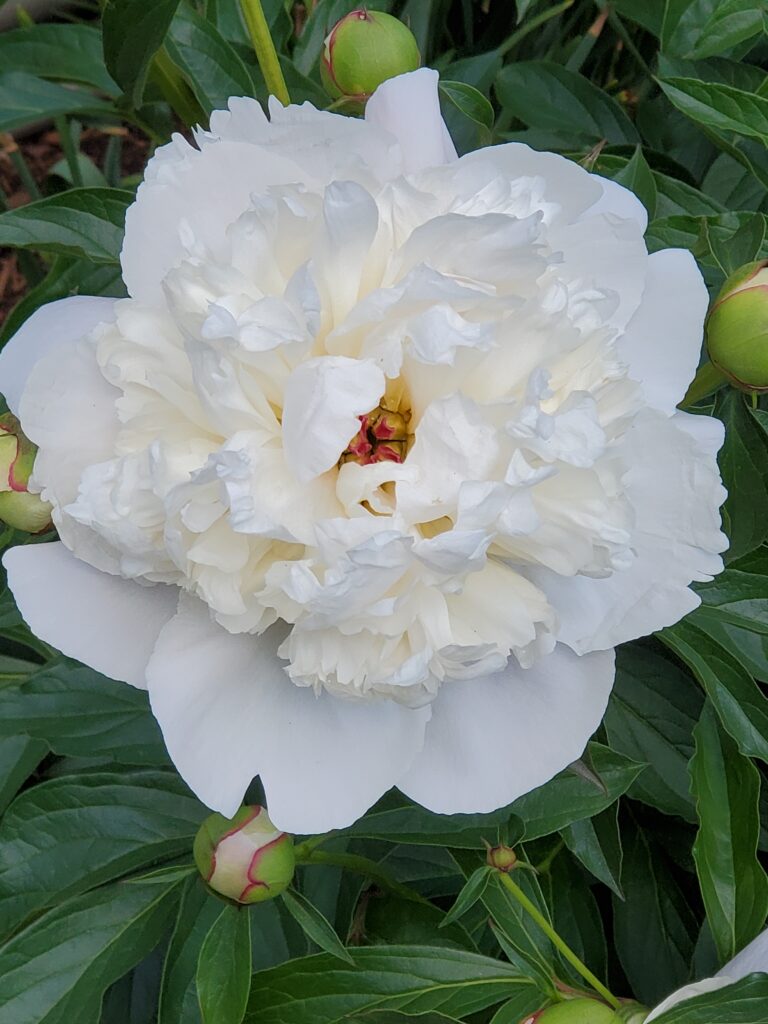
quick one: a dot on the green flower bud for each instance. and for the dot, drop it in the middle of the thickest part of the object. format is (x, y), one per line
(18, 507)
(244, 858)
(363, 50)
(503, 858)
(737, 328)
(576, 1011)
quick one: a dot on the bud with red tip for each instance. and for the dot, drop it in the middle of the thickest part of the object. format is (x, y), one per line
(364, 49)
(19, 508)
(245, 858)
(737, 328)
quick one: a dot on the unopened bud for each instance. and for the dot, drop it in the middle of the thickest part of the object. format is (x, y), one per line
(737, 328)
(244, 858)
(576, 1011)
(503, 858)
(364, 49)
(19, 508)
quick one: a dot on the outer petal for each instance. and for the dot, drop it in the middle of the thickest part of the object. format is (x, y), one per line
(228, 712)
(408, 107)
(619, 201)
(322, 402)
(674, 485)
(107, 622)
(50, 327)
(494, 738)
(662, 341)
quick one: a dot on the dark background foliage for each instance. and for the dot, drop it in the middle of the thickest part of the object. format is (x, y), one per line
(651, 855)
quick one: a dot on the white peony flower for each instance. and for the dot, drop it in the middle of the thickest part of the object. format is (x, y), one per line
(377, 464)
(753, 958)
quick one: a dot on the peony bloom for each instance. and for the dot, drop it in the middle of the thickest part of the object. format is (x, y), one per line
(376, 465)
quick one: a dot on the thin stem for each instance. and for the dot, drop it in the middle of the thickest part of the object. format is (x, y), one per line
(529, 26)
(23, 171)
(70, 152)
(531, 909)
(264, 47)
(360, 866)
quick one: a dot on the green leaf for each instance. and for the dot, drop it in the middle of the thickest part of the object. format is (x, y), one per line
(82, 714)
(56, 970)
(525, 945)
(654, 928)
(653, 709)
(744, 245)
(69, 53)
(547, 96)
(526, 1003)
(575, 917)
(734, 886)
(471, 105)
(744, 467)
(133, 33)
(638, 177)
(178, 1002)
(412, 979)
(25, 99)
(83, 222)
(412, 824)
(721, 107)
(470, 893)
(703, 28)
(597, 844)
(211, 65)
(224, 968)
(19, 756)
(72, 833)
(738, 700)
(315, 926)
(568, 798)
(741, 1003)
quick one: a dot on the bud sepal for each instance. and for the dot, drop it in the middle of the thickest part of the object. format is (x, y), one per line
(20, 508)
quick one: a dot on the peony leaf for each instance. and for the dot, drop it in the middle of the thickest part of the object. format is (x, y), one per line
(19, 756)
(413, 979)
(734, 886)
(472, 891)
(106, 825)
(744, 466)
(83, 222)
(638, 177)
(56, 970)
(133, 33)
(315, 925)
(69, 53)
(742, 1003)
(708, 27)
(25, 99)
(597, 844)
(721, 107)
(224, 968)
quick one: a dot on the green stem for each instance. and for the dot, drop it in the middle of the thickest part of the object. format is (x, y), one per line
(23, 171)
(529, 26)
(70, 151)
(708, 379)
(531, 909)
(264, 47)
(360, 866)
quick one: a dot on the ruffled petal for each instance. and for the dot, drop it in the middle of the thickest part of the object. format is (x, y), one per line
(674, 485)
(492, 739)
(104, 621)
(228, 712)
(662, 341)
(50, 327)
(408, 107)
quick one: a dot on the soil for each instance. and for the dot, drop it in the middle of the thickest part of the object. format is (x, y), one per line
(41, 150)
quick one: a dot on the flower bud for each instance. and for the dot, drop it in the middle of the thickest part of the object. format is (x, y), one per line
(18, 507)
(737, 328)
(503, 858)
(244, 858)
(363, 50)
(575, 1011)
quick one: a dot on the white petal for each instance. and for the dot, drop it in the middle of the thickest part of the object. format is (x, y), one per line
(619, 201)
(697, 988)
(495, 738)
(753, 957)
(674, 486)
(662, 341)
(323, 399)
(51, 326)
(228, 711)
(109, 623)
(408, 107)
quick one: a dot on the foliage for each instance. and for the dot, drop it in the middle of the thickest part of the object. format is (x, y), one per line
(650, 856)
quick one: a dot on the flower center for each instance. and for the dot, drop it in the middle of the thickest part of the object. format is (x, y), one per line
(382, 437)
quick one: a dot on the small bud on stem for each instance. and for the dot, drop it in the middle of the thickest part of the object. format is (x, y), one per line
(364, 49)
(19, 508)
(737, 328)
